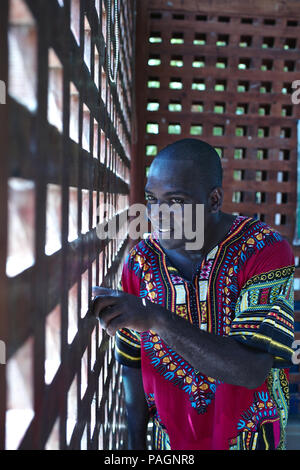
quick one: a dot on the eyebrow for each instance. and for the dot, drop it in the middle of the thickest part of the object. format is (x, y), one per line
(172, 193)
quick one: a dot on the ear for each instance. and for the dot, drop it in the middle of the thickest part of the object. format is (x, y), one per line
(216, 199)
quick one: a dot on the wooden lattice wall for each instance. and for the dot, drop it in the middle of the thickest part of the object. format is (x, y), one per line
(223, 72)
(66, 149)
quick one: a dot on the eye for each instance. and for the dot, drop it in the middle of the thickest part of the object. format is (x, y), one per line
(149, 198)
(177, 200)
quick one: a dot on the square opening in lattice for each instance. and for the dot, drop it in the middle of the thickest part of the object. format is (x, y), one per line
(290, 43)
(197, 107)
(287, 88)
(268, 42)
(72, 313)
(286, 132)
(22, 55)
(241, 131)
(239, 153)
(238, 175)
(279, 219)
(243, 86)
(155, 37)
(261, 175)
(198, 62)
(75, 19)
(21, 226)
(220, 85)
(154, 60)
(178, 16)
(246, 20)
(86, 128)
(245, 41)
(174, 128)
(224, 19)
(52, 344)
(241, 108)
(152, 128)
(53, 219)
(87, 43)
(55, 91)
(153, 82)
(221, 63)
(199, 39)
(177, 38)
(244, 63)
(266, 64)
(286, 110)
(218, 130)
(260, 197)
(175, 106)
(219, 108)
(201, 17)
(155, 15)
(220, 151)
(196, 129)
(151, 150)
(262, 154)
(284, 154)
(264, 109)
(73, 214)
(237, 197)
(72, 409)
(175, 83)
(222, 40)
(269, 22)
(265, 87)
(176, 61)
(289, 66)
(198, 84)
(263, 132)
(84, 293)
(20, 394)
(152, 105)
(292, 23)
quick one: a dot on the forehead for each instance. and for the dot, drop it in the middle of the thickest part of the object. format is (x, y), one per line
(167, 175)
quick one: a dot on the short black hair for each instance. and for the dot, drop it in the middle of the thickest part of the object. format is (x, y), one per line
(204, 156)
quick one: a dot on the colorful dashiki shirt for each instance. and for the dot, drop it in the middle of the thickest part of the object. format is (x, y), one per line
(243, 288)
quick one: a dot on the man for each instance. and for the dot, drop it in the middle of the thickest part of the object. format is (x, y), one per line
(204, 335)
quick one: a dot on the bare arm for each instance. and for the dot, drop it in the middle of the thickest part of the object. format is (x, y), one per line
(136, 407)
(220, 357)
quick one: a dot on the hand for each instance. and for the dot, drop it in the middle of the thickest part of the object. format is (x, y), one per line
(117, 309)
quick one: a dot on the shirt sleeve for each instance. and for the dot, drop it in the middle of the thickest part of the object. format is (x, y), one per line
(127, 341)
(264, 313)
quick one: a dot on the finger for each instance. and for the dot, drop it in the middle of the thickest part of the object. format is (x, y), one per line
(108, 315)
(115, 324)
(100, 303)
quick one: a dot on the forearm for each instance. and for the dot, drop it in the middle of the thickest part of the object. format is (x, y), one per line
(220, 357)
(136, 408)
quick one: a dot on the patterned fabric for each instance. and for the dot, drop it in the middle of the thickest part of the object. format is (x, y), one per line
(243, 288)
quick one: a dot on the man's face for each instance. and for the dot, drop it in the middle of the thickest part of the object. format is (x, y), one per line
(175, 182)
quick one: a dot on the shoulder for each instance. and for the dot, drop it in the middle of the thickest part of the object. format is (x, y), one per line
(263, 249)
(142, 254)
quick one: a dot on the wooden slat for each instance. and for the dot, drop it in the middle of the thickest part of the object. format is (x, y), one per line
(223, 7)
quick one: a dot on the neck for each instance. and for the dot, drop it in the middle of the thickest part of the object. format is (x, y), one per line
(211, 236)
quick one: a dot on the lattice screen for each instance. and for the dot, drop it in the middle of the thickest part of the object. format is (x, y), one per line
(68, 151)
(226, 77)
